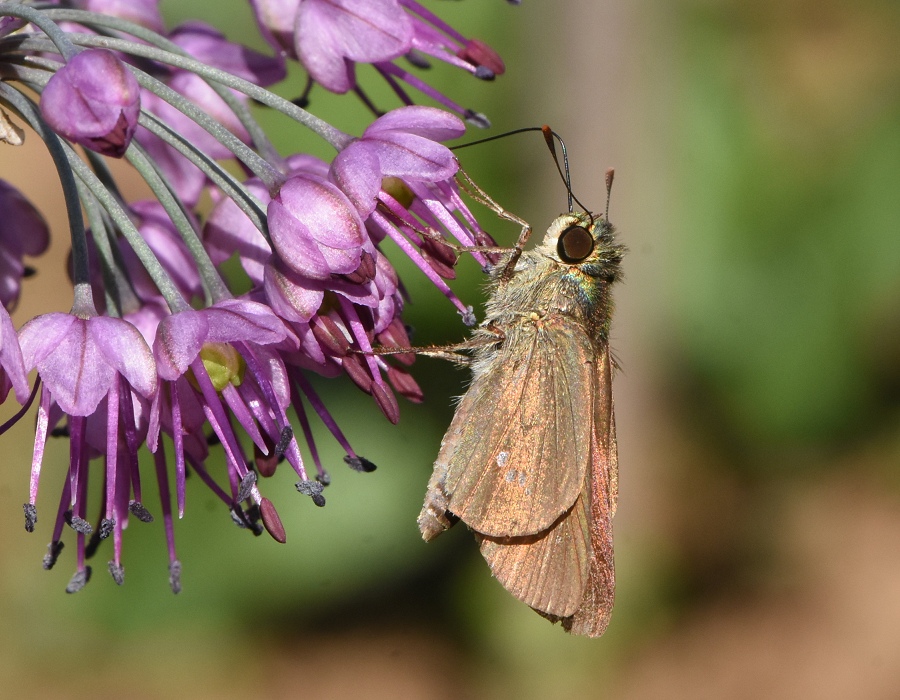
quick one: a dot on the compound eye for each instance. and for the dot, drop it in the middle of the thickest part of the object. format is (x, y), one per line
(574, 244)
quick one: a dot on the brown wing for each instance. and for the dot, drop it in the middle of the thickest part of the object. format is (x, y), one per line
(601, 491)
(517, 451)
(548, 571)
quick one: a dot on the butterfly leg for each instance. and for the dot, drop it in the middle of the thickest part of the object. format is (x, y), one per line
(470, 187)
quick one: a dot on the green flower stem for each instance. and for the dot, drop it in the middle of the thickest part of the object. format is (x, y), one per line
(215, 287)
(115, 286)
(225, 181)
(334, 137)
(29, 112)
(265, 171)
(259, 166)
(43, 21)
(98, 164)
(121, 219)
(240, 195)
(258, 136)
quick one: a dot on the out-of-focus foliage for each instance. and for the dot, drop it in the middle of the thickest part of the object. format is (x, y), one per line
(789, 265)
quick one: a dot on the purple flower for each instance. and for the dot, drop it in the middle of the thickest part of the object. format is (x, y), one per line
(96, 372)
(228, 230)
(10, 24)
(398, 164)
(220, 362)
(93, 100)
(209, 45)
(276, 19)
(24, 232)
(401, 144)
(331, 35)
(160, 234)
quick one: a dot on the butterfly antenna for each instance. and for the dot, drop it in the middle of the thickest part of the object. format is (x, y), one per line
(549, 137)
(494, 138)
(610, 174)
(563, 170)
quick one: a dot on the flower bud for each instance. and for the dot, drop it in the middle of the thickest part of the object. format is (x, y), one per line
(94, 101)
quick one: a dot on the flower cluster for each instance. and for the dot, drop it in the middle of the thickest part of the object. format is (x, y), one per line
(157, 350)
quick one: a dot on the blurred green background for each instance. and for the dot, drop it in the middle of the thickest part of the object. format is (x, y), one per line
(757, 151)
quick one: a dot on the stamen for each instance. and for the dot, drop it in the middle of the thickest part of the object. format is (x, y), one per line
(271, 521)
(30, 516)
(79, 580)
(359, 464)
(53, 551)
(117, 571)
(313, 489)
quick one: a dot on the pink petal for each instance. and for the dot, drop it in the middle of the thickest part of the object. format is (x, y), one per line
(430, 122)
(125, 350)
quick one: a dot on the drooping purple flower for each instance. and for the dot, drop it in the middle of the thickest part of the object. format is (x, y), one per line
(94, 372)
(93, 100)
(188, 180)
(24, 232)
(402, 143)
(209, 45)
(398, 164)
(158, 231)
(228, 230)
(78, 359)
(276, 19)
(220, 360)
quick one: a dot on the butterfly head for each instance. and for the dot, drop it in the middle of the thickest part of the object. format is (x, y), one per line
(584, 240)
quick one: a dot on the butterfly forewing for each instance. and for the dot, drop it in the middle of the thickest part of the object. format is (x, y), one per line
(533, 413)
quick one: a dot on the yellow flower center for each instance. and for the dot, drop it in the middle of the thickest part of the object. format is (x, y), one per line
(223, 364)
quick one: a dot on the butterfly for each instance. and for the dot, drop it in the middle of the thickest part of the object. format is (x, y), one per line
(529, 462)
